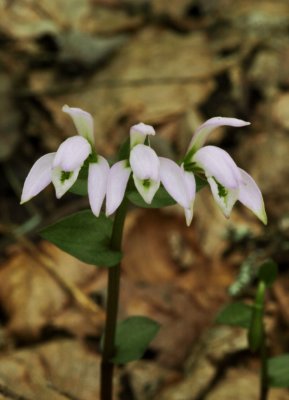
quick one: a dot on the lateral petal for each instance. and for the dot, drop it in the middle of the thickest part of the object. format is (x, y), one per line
(38, 177)
(224, 197)
(191, 188)
(139, 132)
(83, 122)
(144, 162)
(146, 188)
(251, 196)
(218, 163)
(207, 127)
(63, 180)
(72, 153)
(190, 182)
(117, 181)
(173, 179)
(97, 183)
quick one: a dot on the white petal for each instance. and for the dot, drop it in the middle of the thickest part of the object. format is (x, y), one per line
(251, 196)
(117, 181)
(191, 188)
(61, 182)
(38, 178)
(83, 122)
(207, 127)
(72, 153)
(190, 185)
(146, 188)
(173, 179)
(224, 200)
(97, 183)
(189, 213)
(139, 132)
(144, 162)
(218, 163)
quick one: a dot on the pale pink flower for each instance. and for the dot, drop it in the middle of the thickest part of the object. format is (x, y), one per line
(228, 182)
(62, 168)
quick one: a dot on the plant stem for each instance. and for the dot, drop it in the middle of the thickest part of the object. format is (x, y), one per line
(264, 388)
(106, 381)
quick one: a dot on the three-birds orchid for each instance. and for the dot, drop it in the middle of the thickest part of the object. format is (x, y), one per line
(228, 183)
(62, 168)
(148, 172)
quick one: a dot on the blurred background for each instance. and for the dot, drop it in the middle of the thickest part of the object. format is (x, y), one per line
(172, 64)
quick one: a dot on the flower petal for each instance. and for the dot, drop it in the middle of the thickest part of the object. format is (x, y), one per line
(117, 181)
(38, 178)
(83, 122)
(147, 188)
(63, 180)
(139, 132)
(191, 189)
(72, 153)
(224, 197)
(173, 179)
(144, 162)
(207, 127)
(218, 163)
(251, 196)
(97, 183)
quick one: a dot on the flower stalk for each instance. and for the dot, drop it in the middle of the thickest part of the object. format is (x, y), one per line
(107, 366)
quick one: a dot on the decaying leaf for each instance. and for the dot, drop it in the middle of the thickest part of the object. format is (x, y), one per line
(32, 297)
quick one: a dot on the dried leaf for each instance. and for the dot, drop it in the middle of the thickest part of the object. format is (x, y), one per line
(32, 297)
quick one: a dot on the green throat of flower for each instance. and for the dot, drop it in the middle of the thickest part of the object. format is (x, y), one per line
(65, 175)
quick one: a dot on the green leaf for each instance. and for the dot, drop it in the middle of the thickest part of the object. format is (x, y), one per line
(80, 186)
(278, 371)
(85, 237)
(235, 314)
(133, 336)
(268, 272)
(161, 199)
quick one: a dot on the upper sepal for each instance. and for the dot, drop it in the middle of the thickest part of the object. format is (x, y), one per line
(204, 130)
(83, 122)
(139, 132)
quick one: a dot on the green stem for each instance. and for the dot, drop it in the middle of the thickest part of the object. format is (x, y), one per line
(106, 384)
(264, 388)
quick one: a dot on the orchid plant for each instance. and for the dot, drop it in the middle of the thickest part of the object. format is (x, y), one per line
(143, 178)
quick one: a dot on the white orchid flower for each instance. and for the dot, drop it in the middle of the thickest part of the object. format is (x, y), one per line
(148, 172)
(62, 168)
(228, 182)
